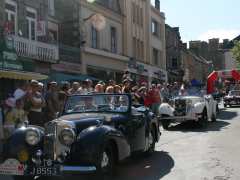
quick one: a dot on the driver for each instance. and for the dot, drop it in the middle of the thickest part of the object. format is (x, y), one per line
(89, 104)
(182, 91)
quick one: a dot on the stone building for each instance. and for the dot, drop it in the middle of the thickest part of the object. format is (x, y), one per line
(173, 54)
(210, 51)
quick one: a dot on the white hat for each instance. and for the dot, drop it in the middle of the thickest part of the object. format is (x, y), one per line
(19, 93)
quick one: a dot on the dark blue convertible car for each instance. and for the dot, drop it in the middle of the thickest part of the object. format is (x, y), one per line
(92, 135)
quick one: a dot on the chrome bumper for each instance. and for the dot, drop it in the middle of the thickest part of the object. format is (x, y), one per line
(77, 169)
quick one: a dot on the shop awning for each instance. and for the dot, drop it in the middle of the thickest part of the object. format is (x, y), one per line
(68, 77)
(21, 75)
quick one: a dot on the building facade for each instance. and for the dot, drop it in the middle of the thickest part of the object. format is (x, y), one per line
(173, 54)
(102, 33)
(210, 50)
(144, 40)
(27, 48)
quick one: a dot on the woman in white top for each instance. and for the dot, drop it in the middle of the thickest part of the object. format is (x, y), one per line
(37, 102)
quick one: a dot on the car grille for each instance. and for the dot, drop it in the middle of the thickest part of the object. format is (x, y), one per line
(50, 140)
(180, 107)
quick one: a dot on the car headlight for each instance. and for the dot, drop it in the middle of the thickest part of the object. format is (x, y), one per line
(33, 137)
(67, 137)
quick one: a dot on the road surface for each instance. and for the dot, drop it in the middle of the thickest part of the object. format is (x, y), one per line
(189, 153)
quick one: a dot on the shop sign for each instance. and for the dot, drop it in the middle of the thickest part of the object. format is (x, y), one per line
(72, 68)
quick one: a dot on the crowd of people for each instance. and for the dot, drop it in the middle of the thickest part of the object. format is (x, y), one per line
(36, 104)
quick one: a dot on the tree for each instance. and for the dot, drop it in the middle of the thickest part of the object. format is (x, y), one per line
(236, 52)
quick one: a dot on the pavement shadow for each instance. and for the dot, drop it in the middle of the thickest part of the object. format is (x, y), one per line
(191, 126)
(139, 167)
(227, 115)
(153, 167)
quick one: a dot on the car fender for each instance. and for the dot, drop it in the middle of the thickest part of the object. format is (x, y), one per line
(91, 140)
(17, 142)
(166, 109)
(199, 107)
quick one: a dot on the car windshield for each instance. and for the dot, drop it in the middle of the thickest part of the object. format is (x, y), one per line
(193, 91)
(97, 103)
(234, 93)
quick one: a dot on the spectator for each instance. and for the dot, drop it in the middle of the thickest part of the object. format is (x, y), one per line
(37, 102)
(62, 97)
(89, 84)
(117, 89)
(112, 83)
(165, 93)
(126, 86)
(99, 88)
(52, 102)
(75, 89)
(65, 87)
(21, 91)
(109, 90)
(156, 101)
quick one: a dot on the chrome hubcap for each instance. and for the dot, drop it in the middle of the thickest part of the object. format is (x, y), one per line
(105, 160)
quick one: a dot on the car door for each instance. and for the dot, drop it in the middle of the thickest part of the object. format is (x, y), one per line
(136, 131)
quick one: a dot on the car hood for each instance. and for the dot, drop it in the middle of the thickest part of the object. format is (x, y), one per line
(83, 121)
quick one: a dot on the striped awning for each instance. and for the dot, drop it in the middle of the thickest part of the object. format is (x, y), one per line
(21, 75)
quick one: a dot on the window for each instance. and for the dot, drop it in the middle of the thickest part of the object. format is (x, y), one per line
(113, 40)
(155, 56)
(141, 17)
(94, 38)
(11, 17)
(51, 7)
(133, 13)
(31, 23)
(155, 28)
(157, 4)
(174, 63)
(134, 47)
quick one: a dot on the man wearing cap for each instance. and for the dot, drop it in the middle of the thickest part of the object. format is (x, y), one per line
(52, 102)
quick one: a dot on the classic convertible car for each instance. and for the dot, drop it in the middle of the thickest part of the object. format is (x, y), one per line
(199, 108)
(233, 98)
(93, 134)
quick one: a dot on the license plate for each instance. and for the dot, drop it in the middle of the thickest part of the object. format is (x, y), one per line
(44, 171)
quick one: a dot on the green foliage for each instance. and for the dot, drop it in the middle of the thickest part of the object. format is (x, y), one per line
(236, 52)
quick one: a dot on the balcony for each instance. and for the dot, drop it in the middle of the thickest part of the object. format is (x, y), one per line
(36, 50)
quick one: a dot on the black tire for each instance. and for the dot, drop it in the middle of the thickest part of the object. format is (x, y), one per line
(203, 121)
(106, 163)
(165, 124)
(152, 142)
(225, 105)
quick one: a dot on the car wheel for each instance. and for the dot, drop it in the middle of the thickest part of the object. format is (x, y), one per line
(204, 119)
(106, 163)
(151, 142)
(225, 105)
(165, 123)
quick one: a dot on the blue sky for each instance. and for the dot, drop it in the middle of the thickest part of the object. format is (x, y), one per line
(203, 19)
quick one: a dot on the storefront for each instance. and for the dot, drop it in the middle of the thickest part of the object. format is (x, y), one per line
(65, 71)
(104, 65)
(14, 69)
(141, 72)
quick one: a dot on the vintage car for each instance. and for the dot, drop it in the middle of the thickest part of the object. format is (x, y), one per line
(93, 134)
(194, 106)
(233, 98)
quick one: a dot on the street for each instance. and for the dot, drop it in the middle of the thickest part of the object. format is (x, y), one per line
(186, 153)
